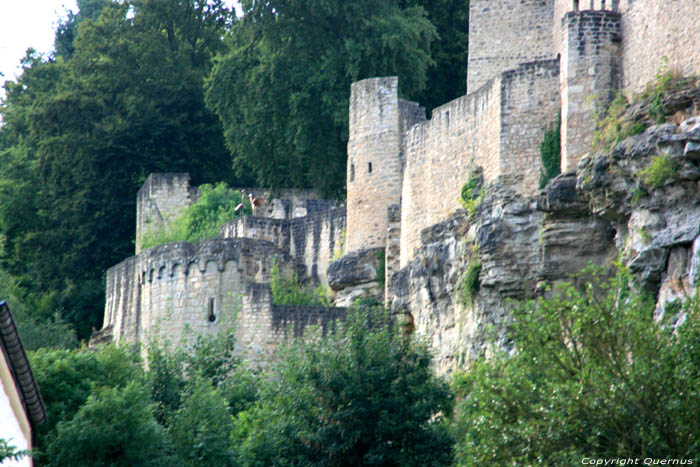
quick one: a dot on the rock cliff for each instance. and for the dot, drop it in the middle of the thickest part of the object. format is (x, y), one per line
(638, 203)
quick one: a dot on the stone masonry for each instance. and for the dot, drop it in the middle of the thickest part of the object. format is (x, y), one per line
(528, 61)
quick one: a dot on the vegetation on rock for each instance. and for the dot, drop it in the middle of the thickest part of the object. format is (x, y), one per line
(661, 169)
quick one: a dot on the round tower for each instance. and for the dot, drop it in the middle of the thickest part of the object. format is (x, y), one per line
(374, 162)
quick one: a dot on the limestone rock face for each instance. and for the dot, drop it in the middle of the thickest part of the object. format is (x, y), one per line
(657, 220)
(355, 276)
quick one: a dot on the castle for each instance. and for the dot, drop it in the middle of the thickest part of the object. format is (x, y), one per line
(529, 60)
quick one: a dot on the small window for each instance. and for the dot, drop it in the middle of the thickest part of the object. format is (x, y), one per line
(352, 172)
(369, 167)
(575, 5)
(212, 316)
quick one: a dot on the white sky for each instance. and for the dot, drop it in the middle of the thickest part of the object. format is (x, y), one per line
(26, 24)
(30, 23)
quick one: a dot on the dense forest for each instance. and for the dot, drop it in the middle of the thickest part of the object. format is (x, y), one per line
(141, 86)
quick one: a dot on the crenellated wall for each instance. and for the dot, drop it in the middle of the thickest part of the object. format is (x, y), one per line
(506, 33)
(311, 240)
(177, 286)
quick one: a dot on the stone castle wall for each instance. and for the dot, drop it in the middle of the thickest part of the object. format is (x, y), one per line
(439, 156)
(312, 240)
(506, 33)
(527, 60)
(652, 30)
(161, 198)
(498, 128)
(168, 288)
(178, 291)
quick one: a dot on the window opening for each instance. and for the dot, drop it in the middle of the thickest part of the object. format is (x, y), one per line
(369, 167)
(212, 316)
(352, 172)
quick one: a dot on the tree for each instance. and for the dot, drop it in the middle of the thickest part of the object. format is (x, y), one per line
(447, 76)
(67, 378)
(593, 376)
(281, 90)
(115, 427)
(82, 134)
(67, 29)
(200, 429)
(359, 397)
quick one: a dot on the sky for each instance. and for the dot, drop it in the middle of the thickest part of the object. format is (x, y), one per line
(25, 24)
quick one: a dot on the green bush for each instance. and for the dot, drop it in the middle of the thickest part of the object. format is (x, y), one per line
(592, 375)
(550, 152)
(611, 128)
(470, 284)
(661, 169)
(472, 192)
(288, 290)
(203, 219)
(365, 395)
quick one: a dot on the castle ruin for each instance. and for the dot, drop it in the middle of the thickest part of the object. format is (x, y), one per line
(529, 60)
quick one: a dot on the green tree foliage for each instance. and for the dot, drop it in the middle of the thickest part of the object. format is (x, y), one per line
(80, 135)
(203, 219)
(550, 152)
(447, 76)
(360, 397)
(104, 408)
(200, 429)
(66, 378)
(593, 376)
(67, 28)
(115, 427)
(10, 453)
(36, 330)
(282, 88)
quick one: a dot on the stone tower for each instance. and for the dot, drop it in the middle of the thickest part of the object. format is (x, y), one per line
(590, 74)
(374, 161)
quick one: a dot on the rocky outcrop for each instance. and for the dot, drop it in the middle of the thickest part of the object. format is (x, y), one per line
(641, 204)
(354, 276)
(649, 189)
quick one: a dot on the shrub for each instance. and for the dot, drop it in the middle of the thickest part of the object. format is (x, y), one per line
(611, 127)
(470, 284)
(550, 152)
(661, 169)
(592, 376)
(288, 290)
(472, 192)
(381, 267)
(365, 395)
(203, 219)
